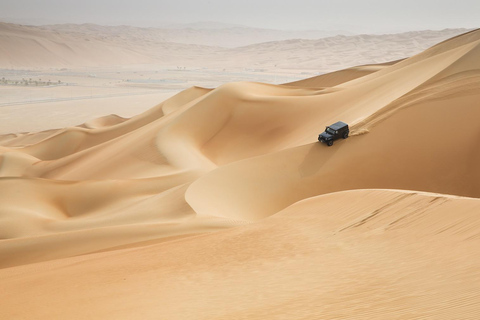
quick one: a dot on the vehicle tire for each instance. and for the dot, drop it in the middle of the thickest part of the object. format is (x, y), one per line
(345, 135)
(330, 143)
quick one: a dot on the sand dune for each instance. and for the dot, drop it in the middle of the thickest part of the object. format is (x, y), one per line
(24, 46)
(119, 213)
(379, 159)
(370, 254)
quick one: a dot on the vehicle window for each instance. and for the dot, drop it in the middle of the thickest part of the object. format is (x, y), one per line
(330, 130)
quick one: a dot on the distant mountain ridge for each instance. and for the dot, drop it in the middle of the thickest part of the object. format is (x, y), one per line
(201, 33)
(72, 45)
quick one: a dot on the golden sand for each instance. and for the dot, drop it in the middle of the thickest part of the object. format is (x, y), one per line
(221, 204)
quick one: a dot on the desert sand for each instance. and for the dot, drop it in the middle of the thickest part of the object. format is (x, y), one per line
(219, 203)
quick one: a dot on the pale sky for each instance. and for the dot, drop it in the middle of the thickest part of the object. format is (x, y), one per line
(358, 16)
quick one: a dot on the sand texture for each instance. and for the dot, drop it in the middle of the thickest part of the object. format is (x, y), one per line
(221, 204)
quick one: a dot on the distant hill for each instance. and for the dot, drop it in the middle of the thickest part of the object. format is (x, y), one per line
(338, 52)
(202, 33)
(71, 45)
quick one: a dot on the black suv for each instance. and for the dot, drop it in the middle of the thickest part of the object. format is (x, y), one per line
(335, 131)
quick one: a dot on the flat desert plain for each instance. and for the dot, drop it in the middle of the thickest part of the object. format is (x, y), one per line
(220, 203)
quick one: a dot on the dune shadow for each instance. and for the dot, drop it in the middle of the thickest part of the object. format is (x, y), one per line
(317, 156)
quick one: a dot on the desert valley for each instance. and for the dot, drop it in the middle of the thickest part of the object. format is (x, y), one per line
(142, 178)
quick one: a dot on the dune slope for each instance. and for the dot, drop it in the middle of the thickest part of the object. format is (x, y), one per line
(370, 254)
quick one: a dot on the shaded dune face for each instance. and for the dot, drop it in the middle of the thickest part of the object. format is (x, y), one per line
(413, 148)
(144, 195)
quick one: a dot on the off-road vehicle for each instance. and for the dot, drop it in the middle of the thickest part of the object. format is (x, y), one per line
(333, 132)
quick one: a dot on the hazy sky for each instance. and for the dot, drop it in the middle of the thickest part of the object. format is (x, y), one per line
(351, 15)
